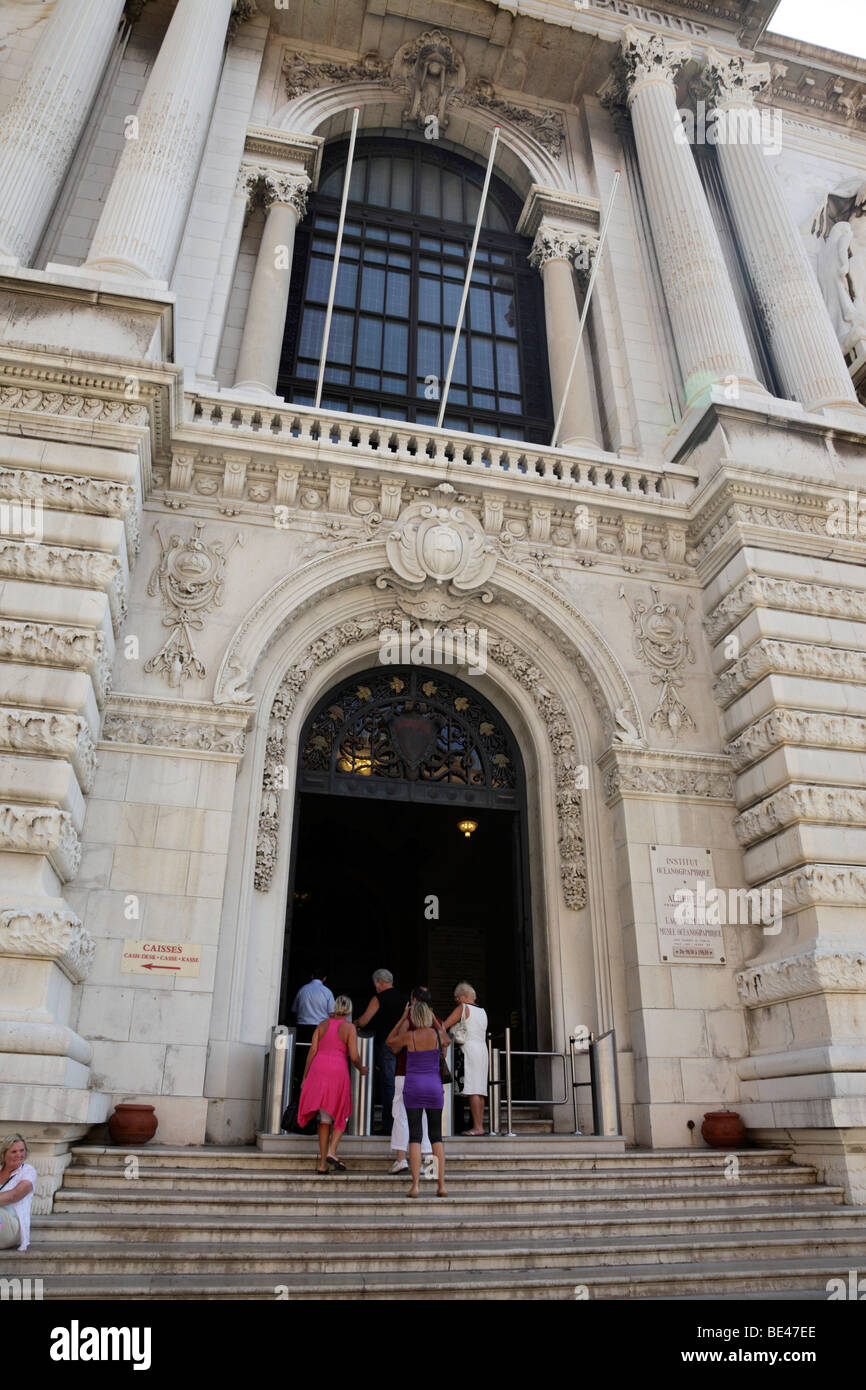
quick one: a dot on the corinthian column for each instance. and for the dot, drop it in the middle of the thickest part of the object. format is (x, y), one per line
(141, 224)
(555, 251)
(805, 348)
(710, 339)
(42, 126)
(285, 197)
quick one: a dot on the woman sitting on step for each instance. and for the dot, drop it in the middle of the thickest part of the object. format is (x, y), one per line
(326, 1085)
(17, 1185)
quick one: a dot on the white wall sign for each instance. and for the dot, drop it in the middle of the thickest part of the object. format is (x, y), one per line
(683, 879)
(160, 958)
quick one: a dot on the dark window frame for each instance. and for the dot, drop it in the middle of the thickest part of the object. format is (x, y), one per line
(525, 413)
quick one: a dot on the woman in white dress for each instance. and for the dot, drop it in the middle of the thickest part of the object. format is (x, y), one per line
(17, 1185)
(469, 1024)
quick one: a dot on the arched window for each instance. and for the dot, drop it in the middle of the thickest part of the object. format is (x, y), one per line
(408, 232)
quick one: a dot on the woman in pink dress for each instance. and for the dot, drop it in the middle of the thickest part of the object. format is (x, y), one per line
(325, 1087)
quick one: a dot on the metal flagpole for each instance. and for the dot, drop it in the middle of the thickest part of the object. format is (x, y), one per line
(336, 266)
(586, 299)
(457, 330)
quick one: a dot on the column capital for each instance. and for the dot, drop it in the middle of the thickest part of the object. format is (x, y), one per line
(575, 245)
(263, 185)
(732, 81)
(647, 58)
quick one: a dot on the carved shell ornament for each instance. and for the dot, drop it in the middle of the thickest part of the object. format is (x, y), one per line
(440, 545)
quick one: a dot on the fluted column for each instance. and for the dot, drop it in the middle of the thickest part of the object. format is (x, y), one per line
(41, 128)
(142, 221)
(285, 197)
(805, 348)
(710, 338)
(555, 251)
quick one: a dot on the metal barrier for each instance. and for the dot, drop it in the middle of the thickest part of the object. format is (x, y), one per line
(361, 1119)
(602, 1083)
(448, 1092)
(605, 1088)
(277, 1079)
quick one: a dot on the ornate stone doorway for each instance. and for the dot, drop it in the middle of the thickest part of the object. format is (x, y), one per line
(391, 761)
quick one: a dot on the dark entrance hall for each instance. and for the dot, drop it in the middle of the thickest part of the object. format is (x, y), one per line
(391, 762)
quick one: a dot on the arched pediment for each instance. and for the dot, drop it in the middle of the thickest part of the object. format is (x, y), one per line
(521, 158)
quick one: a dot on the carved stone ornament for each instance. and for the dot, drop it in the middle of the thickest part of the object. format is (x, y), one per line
(242, 10)
(733, 80)
(563, 244)
(572, 856)
(654, 772)
(190, 578)
(661, 640)
(839, 232)
(433, 72)
(801, 802)
(822, 970)
(771, 656)
(42, 830)
(160, 722)
(643, 57)
(263, 185)
(52, 734)
(441, 550)
(809, 728)
(426, 91)
(50, 933)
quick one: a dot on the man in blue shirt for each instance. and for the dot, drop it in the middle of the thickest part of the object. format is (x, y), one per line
(313, 1003)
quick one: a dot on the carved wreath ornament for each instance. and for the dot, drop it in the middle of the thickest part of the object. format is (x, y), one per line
(190, 577)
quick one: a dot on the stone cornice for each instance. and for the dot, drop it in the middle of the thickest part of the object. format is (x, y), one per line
(80, 389)
(41, 830)
(266, 144)
(644, 773)
(51, 733)
(770, 656)
(196, 728)
(571, 211)
(821, 970)
(787, 595)
(801, 802)
(799, 727)
(49, 933)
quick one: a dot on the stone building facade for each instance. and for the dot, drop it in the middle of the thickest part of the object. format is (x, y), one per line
(673, 595)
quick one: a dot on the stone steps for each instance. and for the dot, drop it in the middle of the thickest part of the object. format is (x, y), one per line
(787, 1279)
(401, 1256)
(430, 1227)
(527, 1218)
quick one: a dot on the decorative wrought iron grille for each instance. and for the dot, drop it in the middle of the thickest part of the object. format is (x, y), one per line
(413, 734)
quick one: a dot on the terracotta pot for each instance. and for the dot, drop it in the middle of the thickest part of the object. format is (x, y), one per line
(133, 1124)
(723, 1129)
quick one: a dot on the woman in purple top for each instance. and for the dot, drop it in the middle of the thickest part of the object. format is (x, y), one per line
(422, 1092)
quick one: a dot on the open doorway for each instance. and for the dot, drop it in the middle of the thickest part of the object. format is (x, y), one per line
(391, 762)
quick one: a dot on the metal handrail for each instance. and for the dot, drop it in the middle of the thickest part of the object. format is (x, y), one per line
(602, 1083)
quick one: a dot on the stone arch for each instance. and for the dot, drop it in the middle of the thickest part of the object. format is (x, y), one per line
(521, 159)
(604, 677)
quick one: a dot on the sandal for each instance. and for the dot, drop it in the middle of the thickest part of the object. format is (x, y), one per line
(336, 1164)
(321, 1172)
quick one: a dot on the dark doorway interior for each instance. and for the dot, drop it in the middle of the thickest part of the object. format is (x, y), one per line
(365, 871)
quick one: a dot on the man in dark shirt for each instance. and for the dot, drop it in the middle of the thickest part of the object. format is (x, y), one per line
(385, 1009)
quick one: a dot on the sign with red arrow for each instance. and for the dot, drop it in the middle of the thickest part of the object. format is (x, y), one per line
(166, 957)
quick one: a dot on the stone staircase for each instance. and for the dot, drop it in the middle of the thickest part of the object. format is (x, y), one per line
(535, 1217)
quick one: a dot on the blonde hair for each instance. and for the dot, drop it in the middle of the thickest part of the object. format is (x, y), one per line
(6, 1145)
(342, 1006)
(464, 988)
(421, 1016)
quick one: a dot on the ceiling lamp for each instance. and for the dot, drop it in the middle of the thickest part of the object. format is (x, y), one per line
(466, 827)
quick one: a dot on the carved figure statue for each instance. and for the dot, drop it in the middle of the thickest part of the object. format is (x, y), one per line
(840, 228)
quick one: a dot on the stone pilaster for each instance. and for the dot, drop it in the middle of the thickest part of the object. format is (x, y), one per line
(42, 126)
(805, 349)
(142, 221)
(284, 194)
(711, 342)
